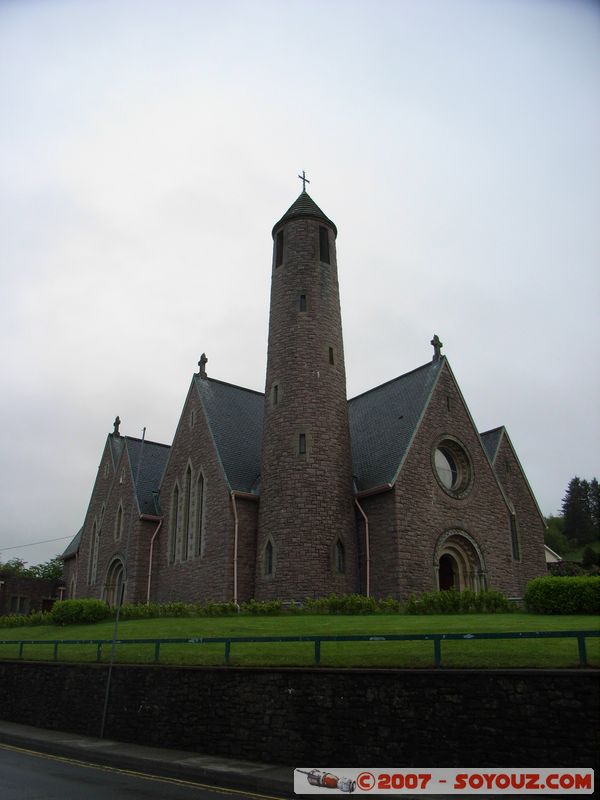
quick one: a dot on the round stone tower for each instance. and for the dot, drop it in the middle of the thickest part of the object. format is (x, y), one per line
(306, 544)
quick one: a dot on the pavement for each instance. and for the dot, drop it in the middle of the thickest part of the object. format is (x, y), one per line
(250, 776)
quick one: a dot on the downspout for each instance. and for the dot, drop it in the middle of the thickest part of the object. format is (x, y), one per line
(235, 548)
(367, 547)
(154, 535)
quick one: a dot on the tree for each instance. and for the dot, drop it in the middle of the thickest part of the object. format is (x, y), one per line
(555, 537)
(594, 496)
(12, 567)
(50, 570)
(577, 514)
(589, 558)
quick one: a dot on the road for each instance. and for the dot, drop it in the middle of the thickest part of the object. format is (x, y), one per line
(29, 775)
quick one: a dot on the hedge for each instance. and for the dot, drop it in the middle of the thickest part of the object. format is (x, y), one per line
(453, 602)
(556, 595)
(88, 611)
(79, 612)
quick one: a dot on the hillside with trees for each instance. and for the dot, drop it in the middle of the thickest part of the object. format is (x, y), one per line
(16, 567)
(575, 533)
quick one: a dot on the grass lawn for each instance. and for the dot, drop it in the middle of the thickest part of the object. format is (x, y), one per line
(482, 653)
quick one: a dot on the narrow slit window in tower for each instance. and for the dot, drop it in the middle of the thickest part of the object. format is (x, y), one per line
(269, 559)
(323, 244)
(340, 557)
(302, 304)
(331, 359)
(302, 443)
(279, 249)
(275, 394)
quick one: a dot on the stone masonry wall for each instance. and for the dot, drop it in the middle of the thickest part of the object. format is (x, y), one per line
(530, 525)
(425, 511)
(208, 576)
(323, 717)
(306, 498)
(100, 493)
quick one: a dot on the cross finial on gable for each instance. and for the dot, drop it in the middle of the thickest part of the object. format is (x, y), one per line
(304, 180)
(202, 365)
(116, 424)
(437, 347)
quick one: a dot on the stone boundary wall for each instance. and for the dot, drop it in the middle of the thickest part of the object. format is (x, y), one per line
(323, 717)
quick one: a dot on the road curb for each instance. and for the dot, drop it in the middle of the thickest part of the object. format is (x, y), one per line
(267, 779)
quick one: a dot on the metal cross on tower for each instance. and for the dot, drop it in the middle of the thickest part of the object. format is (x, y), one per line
(304, 180)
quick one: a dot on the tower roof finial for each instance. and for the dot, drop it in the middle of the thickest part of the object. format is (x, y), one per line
(437, 347)
(116, 424)
(304, 180)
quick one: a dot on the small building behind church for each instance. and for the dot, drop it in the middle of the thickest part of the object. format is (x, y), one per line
(299, 492)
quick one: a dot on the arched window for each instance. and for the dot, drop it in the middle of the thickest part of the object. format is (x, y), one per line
(91, 554)
(187, 507)
(268, 561)
(514, 538)
(119, 523)
(323, 244)
(96, 549)
(199, 515)
(279, 249)
(174, 525)
(114, 583)
(93, 557)
(340, 557)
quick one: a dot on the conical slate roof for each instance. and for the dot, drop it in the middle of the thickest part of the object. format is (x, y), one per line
(304, 206)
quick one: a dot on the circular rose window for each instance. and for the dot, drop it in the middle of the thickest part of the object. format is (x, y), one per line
(452, 467)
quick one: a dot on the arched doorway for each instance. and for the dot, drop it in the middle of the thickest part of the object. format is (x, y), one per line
(458, 562)
(114, 582)
(448, 573)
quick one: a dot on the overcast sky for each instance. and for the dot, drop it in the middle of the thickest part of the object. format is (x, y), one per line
(147, 148)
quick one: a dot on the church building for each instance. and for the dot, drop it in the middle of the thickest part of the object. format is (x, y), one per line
(300, 492)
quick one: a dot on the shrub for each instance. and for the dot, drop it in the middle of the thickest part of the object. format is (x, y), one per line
(219, 609)
(139, 611)
(389, 606)
(79, 612)
(564, 595)
(451, 601)
(589, 557)
(176, 609)
(265, 607)
(565, 569)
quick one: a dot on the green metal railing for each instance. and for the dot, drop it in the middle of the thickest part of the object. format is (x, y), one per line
(227, 641)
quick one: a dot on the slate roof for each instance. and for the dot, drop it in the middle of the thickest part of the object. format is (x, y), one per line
(491, 441)
(154, 459)
(235, 418)
(383, 422)
(304, 206)
(73, 547)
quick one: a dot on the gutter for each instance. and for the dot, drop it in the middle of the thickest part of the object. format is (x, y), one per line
(151, 518)
(384, 487)
(235, 546)
(236, 526)
(367, 547)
